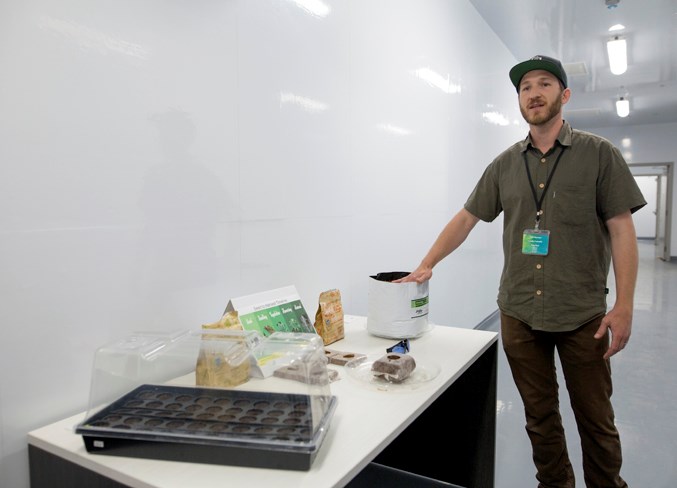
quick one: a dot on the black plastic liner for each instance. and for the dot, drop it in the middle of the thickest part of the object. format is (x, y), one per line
(390, 275)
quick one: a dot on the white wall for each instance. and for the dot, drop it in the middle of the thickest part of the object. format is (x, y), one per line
(653, 143)
(158, 158)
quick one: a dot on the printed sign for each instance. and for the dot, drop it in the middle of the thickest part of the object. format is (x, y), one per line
(271, 311)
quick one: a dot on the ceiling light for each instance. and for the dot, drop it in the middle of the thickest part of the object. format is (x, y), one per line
(618, 55)
(623, 107)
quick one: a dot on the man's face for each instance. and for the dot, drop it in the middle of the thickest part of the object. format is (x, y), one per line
(540, 97)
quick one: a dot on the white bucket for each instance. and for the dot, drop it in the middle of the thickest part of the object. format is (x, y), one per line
(397, 310)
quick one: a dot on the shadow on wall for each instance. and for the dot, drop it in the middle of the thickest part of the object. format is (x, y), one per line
(183, 202)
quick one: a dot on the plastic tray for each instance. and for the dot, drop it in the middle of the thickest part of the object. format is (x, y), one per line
(216, 426)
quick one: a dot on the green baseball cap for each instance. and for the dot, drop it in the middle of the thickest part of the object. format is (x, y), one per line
(539, 61)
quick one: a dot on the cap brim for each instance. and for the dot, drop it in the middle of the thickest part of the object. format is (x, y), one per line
(519, 70)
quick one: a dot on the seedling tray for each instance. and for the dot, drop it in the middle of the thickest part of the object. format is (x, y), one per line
(214, 426)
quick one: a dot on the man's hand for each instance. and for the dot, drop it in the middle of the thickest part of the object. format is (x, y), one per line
(419, 275)
(619, 323)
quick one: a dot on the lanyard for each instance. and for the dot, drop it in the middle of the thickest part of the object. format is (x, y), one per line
(539, 201)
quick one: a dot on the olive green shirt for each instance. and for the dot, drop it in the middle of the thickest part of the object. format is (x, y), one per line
(592, 183)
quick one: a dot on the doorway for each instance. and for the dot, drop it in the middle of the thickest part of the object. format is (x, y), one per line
(663, 174)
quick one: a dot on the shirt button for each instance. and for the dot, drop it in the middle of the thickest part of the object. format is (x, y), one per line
(543, 160)
(541, 185)
(539, 292)
(538, 266)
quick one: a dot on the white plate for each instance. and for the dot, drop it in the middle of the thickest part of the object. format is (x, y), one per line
(360, 371)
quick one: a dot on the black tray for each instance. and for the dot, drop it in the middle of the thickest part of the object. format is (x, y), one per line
(215, 426)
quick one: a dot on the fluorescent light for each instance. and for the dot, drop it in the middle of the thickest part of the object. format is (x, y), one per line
(623, 107)
(618, 55)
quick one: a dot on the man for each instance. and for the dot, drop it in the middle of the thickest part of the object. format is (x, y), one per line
(567, 197)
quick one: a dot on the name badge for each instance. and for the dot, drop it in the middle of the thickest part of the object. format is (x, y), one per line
(535, 241)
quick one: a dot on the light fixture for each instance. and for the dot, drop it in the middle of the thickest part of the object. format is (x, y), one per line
(623, 107)
(618, 55)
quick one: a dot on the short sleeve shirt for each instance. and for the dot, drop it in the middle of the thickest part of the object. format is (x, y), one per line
(592, 183)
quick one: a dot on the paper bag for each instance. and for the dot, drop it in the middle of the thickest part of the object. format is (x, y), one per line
(397, 310)
(223, 360)
(329, 317)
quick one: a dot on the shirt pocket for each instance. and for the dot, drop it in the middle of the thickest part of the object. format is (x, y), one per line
(574, 206)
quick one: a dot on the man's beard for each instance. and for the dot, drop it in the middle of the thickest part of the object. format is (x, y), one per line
(543, 118)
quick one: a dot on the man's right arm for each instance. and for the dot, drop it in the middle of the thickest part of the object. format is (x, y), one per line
(452, 236)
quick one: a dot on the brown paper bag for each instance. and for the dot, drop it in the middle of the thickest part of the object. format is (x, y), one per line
(329, 317)
(222, 360)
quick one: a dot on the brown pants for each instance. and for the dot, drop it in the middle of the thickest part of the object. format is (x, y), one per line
(587, 375)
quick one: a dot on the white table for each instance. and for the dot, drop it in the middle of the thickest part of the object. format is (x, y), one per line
(395, 427)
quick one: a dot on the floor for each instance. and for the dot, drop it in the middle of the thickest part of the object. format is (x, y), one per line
(645, 393)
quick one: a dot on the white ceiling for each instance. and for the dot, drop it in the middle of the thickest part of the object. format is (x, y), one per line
(575, 31)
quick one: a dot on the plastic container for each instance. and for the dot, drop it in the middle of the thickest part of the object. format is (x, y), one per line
(145, 400)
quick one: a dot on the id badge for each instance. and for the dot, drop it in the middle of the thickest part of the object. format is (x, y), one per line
(535, 241)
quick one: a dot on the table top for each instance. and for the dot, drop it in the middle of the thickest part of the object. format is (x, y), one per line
(366, 420)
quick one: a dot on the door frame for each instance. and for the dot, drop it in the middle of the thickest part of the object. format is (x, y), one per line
(663, 210)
